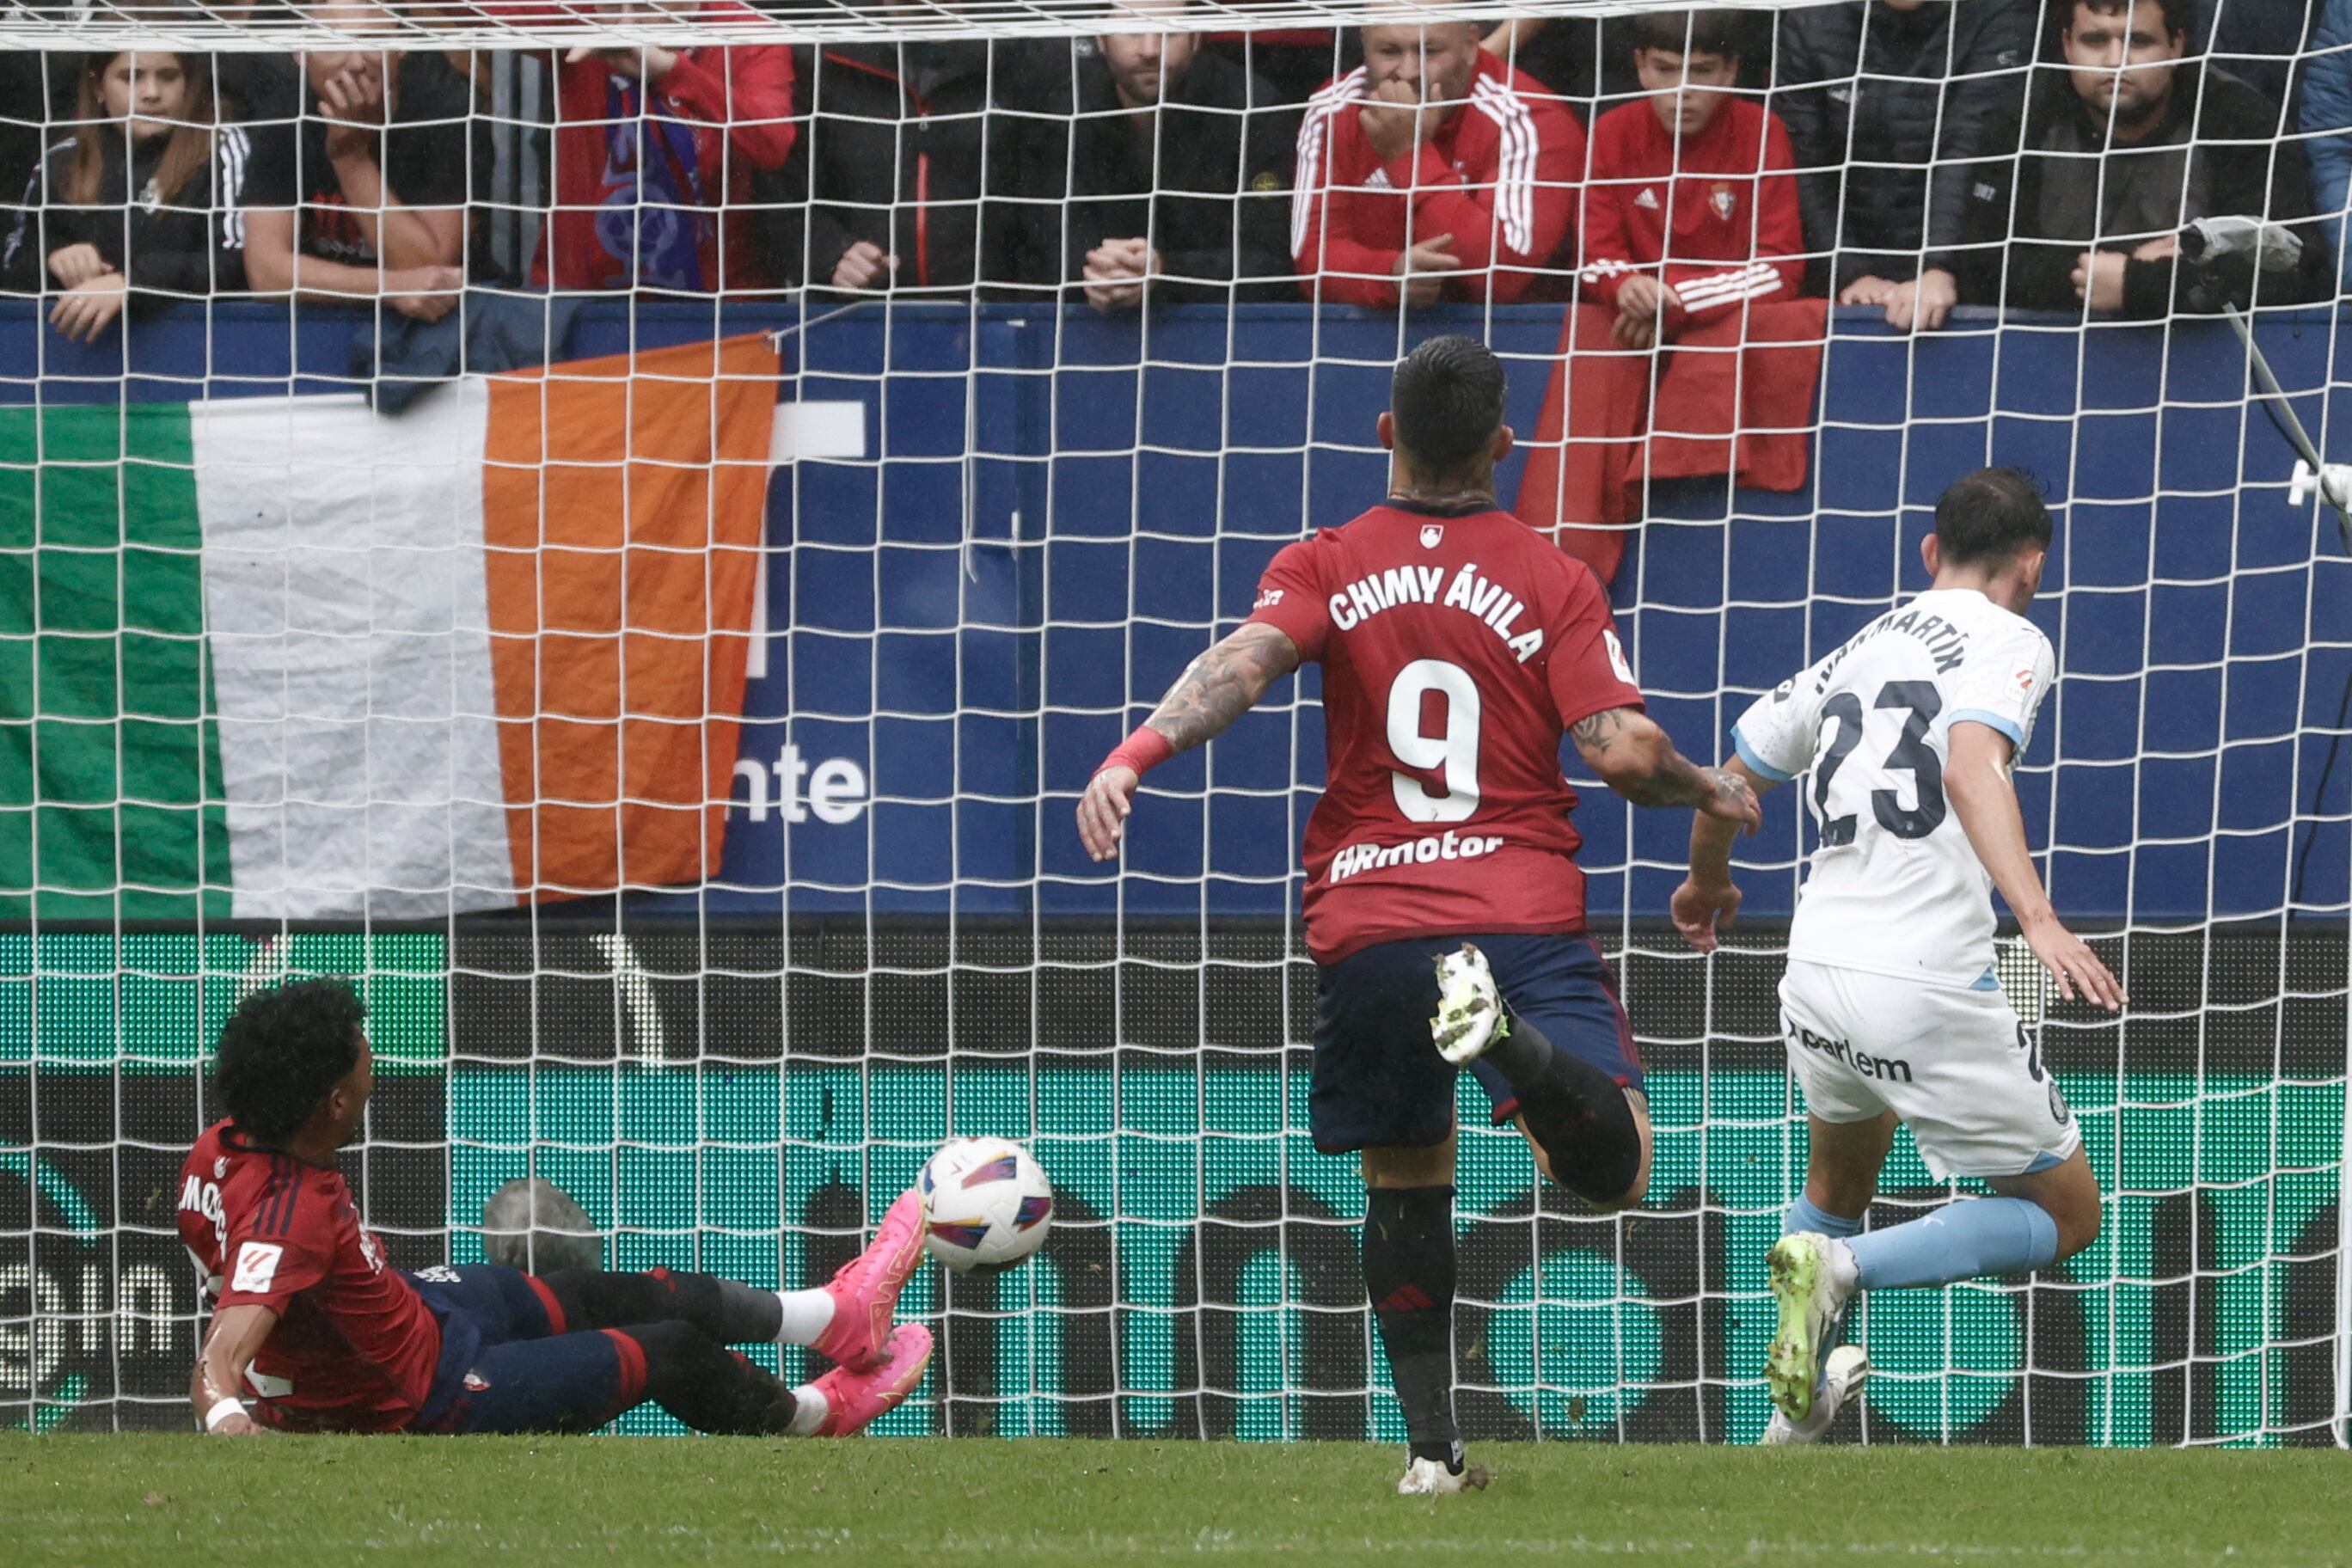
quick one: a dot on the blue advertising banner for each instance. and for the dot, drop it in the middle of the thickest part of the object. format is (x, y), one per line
(997, 533)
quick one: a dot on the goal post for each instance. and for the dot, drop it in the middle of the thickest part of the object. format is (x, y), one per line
(673, 728)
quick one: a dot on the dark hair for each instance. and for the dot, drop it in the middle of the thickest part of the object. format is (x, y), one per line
(2180, 16)
(282, 1050)
(1448, 401)
(186, 150)
(1708, 32)
(1990, 515)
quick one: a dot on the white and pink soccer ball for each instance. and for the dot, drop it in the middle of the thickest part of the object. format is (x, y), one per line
(986, 1205)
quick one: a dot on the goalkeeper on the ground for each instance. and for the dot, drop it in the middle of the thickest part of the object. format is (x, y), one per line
(312, 1329)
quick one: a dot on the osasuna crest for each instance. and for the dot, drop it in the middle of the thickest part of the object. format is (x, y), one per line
(1723, 200)
(1430, 533)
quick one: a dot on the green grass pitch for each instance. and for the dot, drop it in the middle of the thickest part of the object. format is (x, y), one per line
(126, 1502)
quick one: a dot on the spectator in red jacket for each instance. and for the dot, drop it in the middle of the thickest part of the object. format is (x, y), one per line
(654, 150)
(1691, 209)
(1432, 172)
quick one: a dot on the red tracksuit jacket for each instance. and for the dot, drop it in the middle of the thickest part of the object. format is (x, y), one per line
(1500, 176)
(1720, 211)
(736, 103)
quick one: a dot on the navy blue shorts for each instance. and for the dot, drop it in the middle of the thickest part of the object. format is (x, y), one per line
(1378, 1081)
(507, 1364)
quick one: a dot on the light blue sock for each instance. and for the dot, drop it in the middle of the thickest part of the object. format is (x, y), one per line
(1805, 1215)
(1982, 1236)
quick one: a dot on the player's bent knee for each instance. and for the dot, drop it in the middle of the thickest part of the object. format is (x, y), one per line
(1611, 1169)
(2078, 1225)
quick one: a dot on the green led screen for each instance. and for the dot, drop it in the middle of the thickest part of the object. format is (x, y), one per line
(714, 1103)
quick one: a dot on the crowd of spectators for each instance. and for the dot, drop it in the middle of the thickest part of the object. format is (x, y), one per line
(1673, 166)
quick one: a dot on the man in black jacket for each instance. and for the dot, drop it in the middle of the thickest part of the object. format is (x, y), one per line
(2120, 150)
(1888, 102)
(1177, 174)
(905, 164)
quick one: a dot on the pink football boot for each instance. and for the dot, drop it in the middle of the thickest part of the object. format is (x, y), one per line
(852, 1400)
(866, 1291)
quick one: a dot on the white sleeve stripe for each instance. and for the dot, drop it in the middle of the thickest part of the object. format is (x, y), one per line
(1303, 190)
(1515, 175)
(1739, 286)
(230, 195)
(1314, 134)
(1713, 282)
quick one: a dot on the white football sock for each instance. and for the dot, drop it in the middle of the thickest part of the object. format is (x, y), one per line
(808, 1314)
(809, 1411)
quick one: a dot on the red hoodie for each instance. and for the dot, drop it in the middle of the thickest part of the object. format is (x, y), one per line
(721, 112)
(1719, 210)
(1500, 176)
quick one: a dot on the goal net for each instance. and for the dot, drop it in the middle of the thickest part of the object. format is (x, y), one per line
(644, 617)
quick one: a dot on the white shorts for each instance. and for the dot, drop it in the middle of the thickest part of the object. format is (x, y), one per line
(1955, 1066)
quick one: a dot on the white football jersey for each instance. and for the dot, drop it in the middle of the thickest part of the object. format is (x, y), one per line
(1895, 886)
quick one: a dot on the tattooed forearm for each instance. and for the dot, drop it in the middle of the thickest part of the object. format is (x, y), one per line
(1223, 684)
(1600, 728)
(1675, 781)
(1634, 757)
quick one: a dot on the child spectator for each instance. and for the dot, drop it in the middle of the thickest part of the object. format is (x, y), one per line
(364, 195)
(1691, 235)
(1690, 210)
(1432, 171)
(138, 205)
(1177, 174)
(654, 154)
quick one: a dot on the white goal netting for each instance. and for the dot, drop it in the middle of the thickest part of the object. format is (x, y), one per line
(646, 612)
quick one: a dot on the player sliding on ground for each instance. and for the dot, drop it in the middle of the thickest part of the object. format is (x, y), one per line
(1890, 1008)
(312, 1331)
(1457, 649)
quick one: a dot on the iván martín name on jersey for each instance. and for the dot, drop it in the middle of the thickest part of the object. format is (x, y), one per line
(1947, 645)
(1490, 602)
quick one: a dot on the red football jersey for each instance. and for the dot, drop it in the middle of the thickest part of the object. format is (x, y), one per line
(1717, 211)
(354, 1346)
(1457, 649)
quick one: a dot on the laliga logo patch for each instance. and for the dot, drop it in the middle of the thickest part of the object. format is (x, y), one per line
(1430, 533)
(2025, 678)
(257, 1266)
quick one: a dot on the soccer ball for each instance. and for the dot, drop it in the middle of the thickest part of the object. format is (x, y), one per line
(986, 1205)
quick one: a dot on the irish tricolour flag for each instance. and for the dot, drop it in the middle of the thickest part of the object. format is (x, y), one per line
(289, 657)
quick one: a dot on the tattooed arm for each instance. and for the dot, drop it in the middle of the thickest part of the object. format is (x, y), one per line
(1215, 688)
(1223, 684)
(1636, 759)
